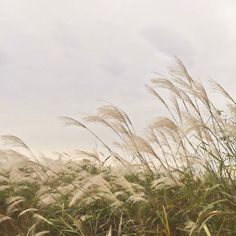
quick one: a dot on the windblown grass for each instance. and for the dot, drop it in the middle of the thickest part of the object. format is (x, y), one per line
(178, 179)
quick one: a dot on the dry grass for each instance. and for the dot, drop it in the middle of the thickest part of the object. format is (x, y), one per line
(178, 179)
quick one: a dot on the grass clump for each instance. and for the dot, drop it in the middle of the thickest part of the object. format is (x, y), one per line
(177, 179)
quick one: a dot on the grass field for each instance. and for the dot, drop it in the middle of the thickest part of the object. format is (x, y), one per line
(177, 179)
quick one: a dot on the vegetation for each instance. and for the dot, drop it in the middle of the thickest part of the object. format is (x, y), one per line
(177, 179)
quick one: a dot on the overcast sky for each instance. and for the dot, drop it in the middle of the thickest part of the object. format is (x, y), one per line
(62, 57)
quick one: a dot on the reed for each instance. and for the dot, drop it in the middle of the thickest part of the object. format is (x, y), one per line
(177, 179)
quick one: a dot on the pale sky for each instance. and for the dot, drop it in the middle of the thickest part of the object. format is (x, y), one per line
(64, 58)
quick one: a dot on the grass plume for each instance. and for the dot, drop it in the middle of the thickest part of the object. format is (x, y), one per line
(179, 178)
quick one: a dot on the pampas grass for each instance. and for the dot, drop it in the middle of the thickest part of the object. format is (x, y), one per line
(179, 178)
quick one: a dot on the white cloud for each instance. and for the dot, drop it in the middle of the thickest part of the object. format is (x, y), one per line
(62, 57)
(171, 42)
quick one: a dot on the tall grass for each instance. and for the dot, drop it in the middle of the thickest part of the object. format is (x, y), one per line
(177, 179)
